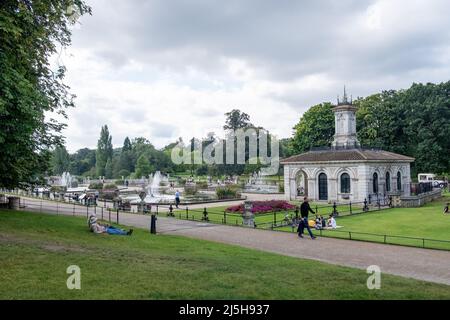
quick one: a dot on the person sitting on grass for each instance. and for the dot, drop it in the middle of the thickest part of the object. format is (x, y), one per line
(332, 222)
(96, 227)
(446, 209)
(318, 225)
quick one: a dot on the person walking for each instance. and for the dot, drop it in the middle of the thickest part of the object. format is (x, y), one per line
(305, 209)
(177, 198)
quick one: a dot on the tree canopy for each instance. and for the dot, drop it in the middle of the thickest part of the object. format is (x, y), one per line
(30, 89)
(413, 122)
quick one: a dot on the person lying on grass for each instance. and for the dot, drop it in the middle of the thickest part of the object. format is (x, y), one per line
(96, 227)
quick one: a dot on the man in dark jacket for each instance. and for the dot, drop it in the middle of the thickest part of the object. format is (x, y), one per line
(305, 209)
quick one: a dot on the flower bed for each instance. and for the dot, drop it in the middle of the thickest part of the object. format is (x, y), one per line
(263, 206)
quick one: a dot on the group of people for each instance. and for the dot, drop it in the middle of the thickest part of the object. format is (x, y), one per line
(320, 222)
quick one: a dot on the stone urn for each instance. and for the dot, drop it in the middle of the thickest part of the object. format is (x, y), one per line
(248, 216)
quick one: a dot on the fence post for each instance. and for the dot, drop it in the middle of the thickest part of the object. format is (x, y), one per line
(274, 218)
(109, 212)
(384, 239)
(87, 211)
(117, 219)
(57, 208)
(187, 213)
(224, 217)
(157, 209)
(95, 210)
(350, 204)
(73, 210)
(40, 209)
(102, 213)
(423, 242)
(350, 235)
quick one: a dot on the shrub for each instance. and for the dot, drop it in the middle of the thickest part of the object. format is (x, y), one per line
(96, 186)
(227, 192)
(110, 186)
(202, 185)
(190, 189)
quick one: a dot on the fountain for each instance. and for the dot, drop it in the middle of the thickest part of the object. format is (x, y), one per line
(66, 180)
(257, 184)
(154, 188)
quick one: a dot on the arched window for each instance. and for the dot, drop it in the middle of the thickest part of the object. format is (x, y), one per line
(323, 187)
(375, 183)
(388, 181)
(345, 183)
(399, 181)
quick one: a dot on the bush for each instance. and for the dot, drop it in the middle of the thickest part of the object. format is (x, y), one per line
(281, 187)
(96, 186)
(227, 192)
(190, 189)
(202, 185)
(110, 186)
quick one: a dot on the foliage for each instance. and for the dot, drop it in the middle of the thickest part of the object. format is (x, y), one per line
(143, 167)
(412, 122)
(110, 186)
(60, 160)
(96, 186)
(190, 189)
(31, 91)
(227, 192)
(104, 152)
(315, 128)
(235, 119)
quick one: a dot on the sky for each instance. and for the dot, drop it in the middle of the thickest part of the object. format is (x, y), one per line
(167, 69)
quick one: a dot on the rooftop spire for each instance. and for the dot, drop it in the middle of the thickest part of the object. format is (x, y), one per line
(344, 99)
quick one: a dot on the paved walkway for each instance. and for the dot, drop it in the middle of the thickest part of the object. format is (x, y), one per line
(423, 264)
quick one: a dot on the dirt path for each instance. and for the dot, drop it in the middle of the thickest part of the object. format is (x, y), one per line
(423, 264)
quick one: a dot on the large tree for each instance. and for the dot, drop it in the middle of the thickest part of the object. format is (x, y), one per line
(315, 128)
(60, 160)
(30, 89)
(104, 151)
(235, 119)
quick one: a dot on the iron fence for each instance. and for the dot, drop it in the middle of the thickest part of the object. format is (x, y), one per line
(285, 221)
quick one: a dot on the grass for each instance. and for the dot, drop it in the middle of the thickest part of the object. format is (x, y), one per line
(425, 222)
(36, 250)
(398, 224)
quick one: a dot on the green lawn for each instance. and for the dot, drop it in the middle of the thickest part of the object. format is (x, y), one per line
(424, 222)
(36, 249)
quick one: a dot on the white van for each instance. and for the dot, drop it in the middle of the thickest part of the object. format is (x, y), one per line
(430, 177)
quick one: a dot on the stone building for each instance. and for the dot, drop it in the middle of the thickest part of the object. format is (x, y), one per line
(346, 171)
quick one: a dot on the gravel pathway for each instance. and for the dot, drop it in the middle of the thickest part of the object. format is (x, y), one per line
(423, 264)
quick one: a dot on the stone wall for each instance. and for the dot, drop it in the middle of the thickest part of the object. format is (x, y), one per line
(421, 199)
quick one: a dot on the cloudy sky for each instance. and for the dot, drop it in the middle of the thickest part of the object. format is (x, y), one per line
(164, 69)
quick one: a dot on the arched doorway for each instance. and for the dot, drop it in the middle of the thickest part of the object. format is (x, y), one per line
(323, 186)
(301, 184)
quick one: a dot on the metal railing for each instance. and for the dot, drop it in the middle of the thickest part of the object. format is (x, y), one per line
(275, 220)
